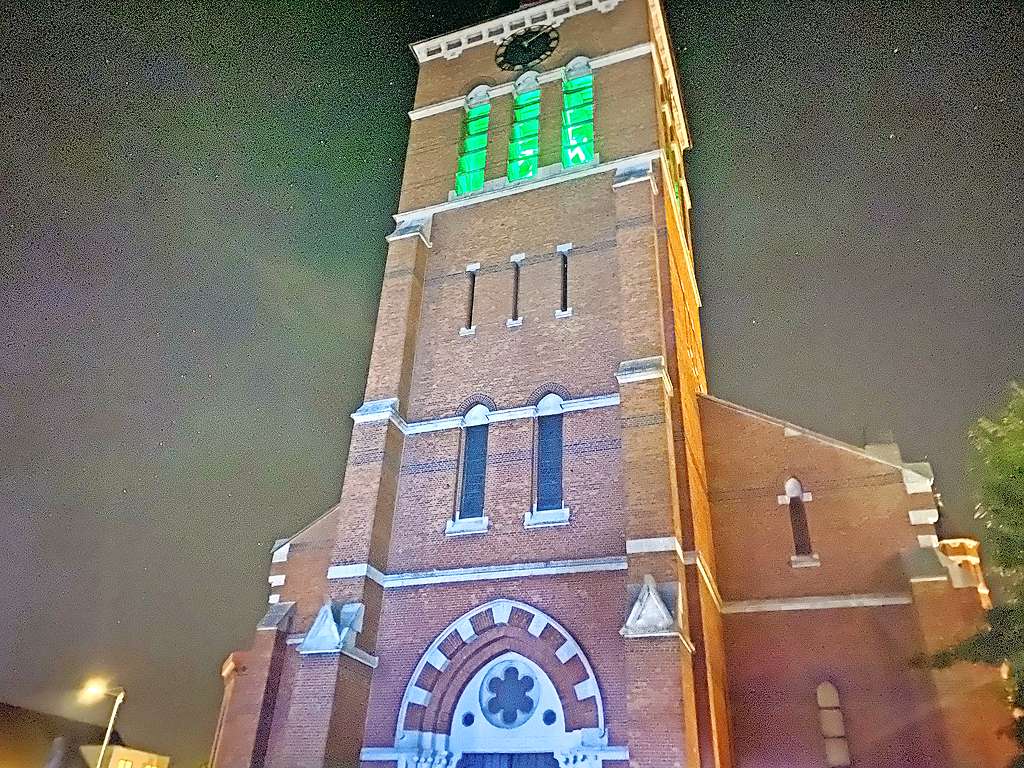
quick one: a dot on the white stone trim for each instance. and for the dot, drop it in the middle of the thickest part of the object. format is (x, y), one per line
(418, 695)
(281, 553)
(537, 624)
(467, 526)
(586, 689)
(523, 186)
(277, 580)
(561, 313)
(477, 573)
(382, 410)
(566, 651)
(355, 570)
(514, 322)
(501, 612)
(924, 516)
(471, 331)
(411, 757)
(928, 541)
(274, 599)
(916, 482)
(452, 44)
(545, 518)
(814, 603)
(436, 659)
(465, 629)
(645, 369)
(657, 544)
(805, 561)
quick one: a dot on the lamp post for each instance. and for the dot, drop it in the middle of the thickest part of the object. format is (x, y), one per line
(93, 691)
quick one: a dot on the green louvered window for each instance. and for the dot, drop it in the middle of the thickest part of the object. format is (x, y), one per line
(524, 140)
(577, 121)
(473, 152)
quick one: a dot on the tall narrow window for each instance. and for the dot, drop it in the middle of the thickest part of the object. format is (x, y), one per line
(550, 508)
(564, 310)
(474, 464)
(473, 150)
(517, 266)
(794, 497)
(577, 114)
(524, 141)
(469, 328)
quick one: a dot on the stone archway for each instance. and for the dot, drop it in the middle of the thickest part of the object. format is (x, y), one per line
(442, 720)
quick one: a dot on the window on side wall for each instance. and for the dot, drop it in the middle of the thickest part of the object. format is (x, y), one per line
(469, 516)
(550, 508)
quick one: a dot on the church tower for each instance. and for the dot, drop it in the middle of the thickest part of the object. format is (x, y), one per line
(521, 571)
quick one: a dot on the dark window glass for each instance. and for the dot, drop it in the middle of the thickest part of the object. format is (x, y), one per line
(549, 462)
(515, 290)
(470, 299)
(474, 466)
(565, 281)
(798, 519)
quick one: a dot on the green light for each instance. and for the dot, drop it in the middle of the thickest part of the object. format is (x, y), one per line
(473, 150)
(524, 138)
(578, 121)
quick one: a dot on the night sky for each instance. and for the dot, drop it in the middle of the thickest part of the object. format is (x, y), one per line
(193, 203)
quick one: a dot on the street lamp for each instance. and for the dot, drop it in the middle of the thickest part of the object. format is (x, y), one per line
(94, 690)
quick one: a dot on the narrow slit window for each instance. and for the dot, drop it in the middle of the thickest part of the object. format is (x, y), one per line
(578, 119)
(563, 265)
(516, 269)
(524, 140)
(470, 298)
(798, 518)
(474, 470)
(473, 150)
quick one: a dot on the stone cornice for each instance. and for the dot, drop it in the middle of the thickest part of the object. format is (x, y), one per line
(452, 44)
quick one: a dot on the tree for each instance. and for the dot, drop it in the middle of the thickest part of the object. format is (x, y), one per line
(998, 468)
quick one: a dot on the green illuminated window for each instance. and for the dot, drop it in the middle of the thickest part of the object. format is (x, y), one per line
(577, 120)
(524, 139)
(473, 151)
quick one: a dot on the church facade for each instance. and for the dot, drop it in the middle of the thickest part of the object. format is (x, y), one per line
(553, 546)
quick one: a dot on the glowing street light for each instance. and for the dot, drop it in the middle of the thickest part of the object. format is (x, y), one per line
(93, 691)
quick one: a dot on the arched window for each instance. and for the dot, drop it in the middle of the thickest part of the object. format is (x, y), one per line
(549, 508)
(833, 729)
(549, 453)
(524, 139)
(577, 113)
(795, 497)
(473, 150)
(474, 463)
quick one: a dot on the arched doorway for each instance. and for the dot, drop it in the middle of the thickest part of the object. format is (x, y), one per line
(503, 686)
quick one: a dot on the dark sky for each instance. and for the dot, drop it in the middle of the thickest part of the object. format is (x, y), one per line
(193, 199)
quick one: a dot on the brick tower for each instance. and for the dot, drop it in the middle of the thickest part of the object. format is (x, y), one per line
(548, 533)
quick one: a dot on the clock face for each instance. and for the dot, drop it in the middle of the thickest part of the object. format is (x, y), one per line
(526, 47)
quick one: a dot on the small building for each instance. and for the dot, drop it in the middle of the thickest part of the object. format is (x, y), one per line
(120, 756)
(31, 739)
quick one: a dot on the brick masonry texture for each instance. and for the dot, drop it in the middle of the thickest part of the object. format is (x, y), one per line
(658, 465)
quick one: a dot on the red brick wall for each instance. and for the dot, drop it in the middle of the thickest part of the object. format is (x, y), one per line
(590, 606)
(777, 660)
(858, 517)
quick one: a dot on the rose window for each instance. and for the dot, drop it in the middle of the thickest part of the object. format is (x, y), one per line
(507, 694)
